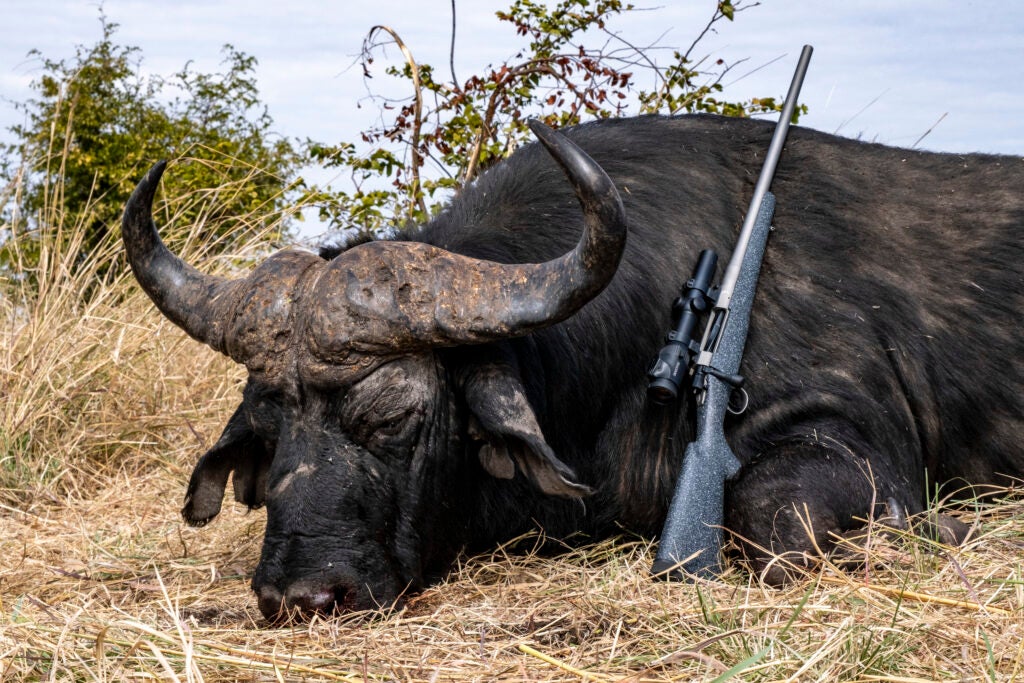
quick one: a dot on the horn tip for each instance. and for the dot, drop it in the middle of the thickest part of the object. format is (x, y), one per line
(539, 128)
(577, 164)
(157, 171)
(142, 198)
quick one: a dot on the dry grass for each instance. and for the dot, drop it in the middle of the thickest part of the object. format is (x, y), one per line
(105, 408)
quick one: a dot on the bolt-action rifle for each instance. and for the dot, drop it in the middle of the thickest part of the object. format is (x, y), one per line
(692, 536)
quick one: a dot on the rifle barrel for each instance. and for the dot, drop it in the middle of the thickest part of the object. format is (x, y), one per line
(764, 180)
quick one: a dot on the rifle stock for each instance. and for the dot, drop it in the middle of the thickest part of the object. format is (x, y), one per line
(692, 534)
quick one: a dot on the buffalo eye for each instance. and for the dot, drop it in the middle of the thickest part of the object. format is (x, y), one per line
(383, 425)
(385, 412)
(392, 434)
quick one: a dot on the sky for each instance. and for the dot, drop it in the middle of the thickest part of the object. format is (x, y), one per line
(886, 71)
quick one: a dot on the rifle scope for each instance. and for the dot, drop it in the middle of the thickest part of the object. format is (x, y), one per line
(673, 362)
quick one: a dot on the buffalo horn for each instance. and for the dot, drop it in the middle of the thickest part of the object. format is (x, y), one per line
(556, 289)
(191, 300)
(404, 295)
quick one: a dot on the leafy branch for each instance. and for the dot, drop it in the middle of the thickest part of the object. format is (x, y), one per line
(571, 67)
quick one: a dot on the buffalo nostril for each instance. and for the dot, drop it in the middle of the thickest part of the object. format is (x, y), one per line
(271, 603)
(304, 600)
(344, 598)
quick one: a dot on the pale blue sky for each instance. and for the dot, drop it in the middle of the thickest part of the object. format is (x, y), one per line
(905, 63)
(883, 70)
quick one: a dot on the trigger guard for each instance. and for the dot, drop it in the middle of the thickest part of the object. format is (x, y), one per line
(743, 406)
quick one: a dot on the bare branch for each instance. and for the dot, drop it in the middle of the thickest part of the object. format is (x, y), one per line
(925, 134)
(414, 143)
(451, 51)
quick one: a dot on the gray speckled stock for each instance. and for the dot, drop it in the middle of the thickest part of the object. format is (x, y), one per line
(692, 536)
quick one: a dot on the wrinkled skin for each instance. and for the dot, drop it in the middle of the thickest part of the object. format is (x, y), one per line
(342, 475)
(332, 470)
(342, 467)
(411, 398)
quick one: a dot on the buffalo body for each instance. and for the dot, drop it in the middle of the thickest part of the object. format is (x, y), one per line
(884, 356)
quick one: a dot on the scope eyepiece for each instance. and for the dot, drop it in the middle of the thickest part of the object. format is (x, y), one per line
(663, 390)
(665, 375)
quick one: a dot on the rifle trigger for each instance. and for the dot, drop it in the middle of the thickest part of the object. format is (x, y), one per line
(735, 381)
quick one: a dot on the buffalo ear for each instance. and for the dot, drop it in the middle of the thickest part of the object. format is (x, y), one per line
(238, 450)
(507, 424)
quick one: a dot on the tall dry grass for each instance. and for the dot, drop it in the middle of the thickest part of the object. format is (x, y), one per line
(106, 406)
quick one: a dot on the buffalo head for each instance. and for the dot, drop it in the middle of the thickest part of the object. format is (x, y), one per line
(368, 376)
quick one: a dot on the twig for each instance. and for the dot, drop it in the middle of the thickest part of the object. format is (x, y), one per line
(862, 110)
(963, 576)
(451, 50)
(414, 143)
(925, 134)
(586, 675)
(905, 594)
(693, 652)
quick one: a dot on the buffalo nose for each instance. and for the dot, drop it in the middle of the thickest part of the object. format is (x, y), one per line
(303, 601)
(271, 603)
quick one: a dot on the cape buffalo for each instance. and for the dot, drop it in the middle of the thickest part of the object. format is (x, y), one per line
(484, 374)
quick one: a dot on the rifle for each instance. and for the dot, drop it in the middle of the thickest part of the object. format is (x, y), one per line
(692, 535)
